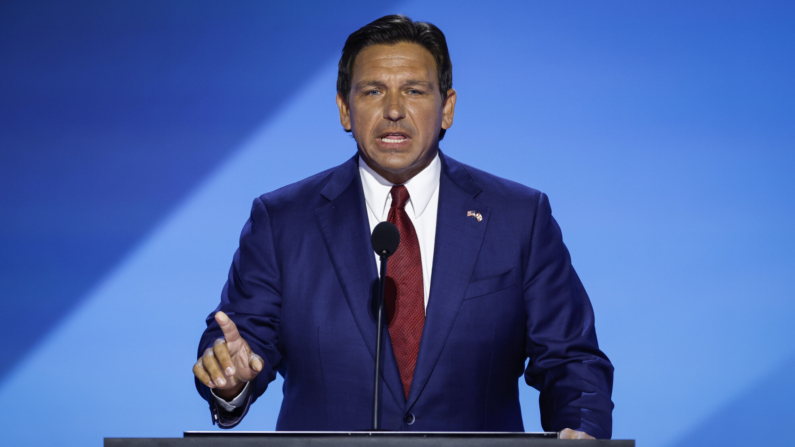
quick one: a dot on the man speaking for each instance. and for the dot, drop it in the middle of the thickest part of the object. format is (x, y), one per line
(481, 280)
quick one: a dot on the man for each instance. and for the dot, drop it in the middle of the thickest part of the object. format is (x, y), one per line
(481, 280)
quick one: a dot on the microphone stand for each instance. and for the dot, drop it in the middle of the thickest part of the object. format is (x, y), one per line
(385, 240)
(379, 325)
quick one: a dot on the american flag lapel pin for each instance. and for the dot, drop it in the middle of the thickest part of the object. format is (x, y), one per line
(475, 214)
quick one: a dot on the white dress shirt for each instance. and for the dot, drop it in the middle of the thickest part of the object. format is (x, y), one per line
(422, 209)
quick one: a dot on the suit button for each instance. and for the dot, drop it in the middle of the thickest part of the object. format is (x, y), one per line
(408, 418)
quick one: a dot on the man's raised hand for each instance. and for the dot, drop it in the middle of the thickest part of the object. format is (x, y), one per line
(229, 363)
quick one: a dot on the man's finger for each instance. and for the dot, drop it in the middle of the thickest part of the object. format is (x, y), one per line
(212, 368)
(568, 433)
(222, 354)
(201, 374)
(227, 326)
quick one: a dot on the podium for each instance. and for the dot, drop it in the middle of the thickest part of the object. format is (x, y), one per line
(364, 438)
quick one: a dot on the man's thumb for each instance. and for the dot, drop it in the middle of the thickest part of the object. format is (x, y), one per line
(256, 363)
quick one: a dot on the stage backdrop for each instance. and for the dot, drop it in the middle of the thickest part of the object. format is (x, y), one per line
(134, 136)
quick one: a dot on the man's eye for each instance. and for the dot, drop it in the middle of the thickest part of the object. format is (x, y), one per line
(415, 92)
(371, 92)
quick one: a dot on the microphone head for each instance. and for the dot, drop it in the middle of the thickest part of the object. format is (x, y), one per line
(385, 239)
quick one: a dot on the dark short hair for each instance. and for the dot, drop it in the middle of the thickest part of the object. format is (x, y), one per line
(390, 30)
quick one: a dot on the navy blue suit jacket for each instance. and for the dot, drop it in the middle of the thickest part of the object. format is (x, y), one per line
(301, 290)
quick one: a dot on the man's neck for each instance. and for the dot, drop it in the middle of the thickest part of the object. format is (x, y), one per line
(401, 177)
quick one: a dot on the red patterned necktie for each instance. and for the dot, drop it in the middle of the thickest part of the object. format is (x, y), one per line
(404, 296)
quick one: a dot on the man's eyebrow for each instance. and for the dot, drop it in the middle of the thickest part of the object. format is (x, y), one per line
(372, 83)
(418, 82)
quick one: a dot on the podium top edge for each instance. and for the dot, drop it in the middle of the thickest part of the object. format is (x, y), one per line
(435, 434)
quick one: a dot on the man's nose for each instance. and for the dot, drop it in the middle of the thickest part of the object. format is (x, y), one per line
(393, 108)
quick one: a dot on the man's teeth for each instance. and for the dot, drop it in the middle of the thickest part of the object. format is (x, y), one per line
(393, 140)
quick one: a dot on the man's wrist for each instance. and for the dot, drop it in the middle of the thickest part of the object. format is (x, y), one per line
(231, 405)
(229, 394)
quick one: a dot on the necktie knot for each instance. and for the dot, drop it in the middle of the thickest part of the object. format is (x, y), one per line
(400, 196)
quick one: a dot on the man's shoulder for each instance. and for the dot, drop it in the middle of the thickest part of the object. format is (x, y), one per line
(488, 187)
(307, 191)
(492, 187)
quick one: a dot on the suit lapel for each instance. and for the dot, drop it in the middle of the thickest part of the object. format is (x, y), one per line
(458, 241)
(345, 229)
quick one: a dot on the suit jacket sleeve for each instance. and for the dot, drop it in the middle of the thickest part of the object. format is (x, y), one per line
(574, 377)
(252, 299)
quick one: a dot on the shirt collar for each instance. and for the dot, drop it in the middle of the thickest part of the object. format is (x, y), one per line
(421, 188)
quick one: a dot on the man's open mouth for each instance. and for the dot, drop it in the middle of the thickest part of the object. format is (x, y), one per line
(394, 138)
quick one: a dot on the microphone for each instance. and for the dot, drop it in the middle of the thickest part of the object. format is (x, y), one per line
(385, 240)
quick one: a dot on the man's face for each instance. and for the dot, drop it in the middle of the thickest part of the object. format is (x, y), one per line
(395, 110)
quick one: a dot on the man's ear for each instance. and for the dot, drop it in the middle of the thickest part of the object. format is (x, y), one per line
(345, 112)
(448, 109)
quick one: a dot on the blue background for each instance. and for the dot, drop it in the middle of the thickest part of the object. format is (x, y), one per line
(134, 135)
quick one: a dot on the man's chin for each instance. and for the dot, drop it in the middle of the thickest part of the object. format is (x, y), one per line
(390, 162)
(398, 165)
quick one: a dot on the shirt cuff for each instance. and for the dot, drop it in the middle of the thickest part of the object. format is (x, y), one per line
(239, 400)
